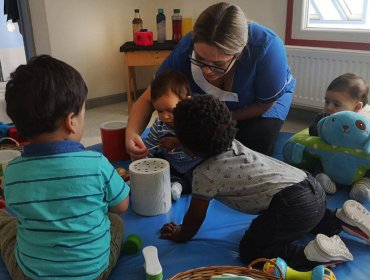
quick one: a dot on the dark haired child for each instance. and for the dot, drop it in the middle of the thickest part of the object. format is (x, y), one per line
(167, 89)
(63, 196)
(289, 202)
(347, 92)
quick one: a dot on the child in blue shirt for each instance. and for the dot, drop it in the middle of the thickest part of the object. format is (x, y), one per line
(63, 196)
(168, 88)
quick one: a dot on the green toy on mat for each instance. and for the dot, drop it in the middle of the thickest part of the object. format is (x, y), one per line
(343, 148)
(132, 244)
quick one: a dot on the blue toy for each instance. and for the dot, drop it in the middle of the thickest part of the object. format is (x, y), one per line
(343, 147)
(318, 273)
(4, 128)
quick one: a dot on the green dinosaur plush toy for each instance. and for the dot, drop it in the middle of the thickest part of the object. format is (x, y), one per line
(342, 147)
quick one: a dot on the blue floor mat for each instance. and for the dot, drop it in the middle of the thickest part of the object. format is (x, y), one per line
(217, 241)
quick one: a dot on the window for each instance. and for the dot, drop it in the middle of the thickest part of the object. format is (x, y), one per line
(341, 24)
(338, 14)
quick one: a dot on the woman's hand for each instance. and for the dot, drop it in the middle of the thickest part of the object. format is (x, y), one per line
(172, 231)
(139, 117)
(135, 146)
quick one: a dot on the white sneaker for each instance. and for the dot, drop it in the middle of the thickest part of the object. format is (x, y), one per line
(327, 250)
(176, 190)
(326, 183)
(357, 219)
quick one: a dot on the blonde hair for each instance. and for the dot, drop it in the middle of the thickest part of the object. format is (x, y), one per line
(223, 25)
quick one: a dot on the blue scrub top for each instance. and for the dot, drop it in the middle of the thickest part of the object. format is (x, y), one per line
(262, 73)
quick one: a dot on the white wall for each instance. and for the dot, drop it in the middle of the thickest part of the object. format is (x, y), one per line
(10, 59)
(88, 33)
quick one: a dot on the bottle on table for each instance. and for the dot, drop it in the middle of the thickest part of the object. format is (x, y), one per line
(187, 26)
(137, 23)
(161, 26)
(176, 26)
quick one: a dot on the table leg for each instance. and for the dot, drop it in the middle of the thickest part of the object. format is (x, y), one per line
(132, 87)
(130, 81)
(133, 59)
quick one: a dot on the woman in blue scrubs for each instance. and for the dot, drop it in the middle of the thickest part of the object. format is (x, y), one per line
(242, 63)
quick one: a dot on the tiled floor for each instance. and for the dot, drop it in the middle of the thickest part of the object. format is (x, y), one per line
(96, 116)
(297, 120)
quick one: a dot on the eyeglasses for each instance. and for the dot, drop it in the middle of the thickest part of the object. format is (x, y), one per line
(213, 68)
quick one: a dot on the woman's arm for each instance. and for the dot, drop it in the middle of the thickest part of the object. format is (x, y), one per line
(272, 77)
(139, 117)
(193, 220)
(250, 111)
(142, 109)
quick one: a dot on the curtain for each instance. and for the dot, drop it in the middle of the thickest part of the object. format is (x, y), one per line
(11, 10)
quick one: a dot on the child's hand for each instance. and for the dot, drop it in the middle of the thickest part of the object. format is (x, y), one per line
(171, 231)
(169, 143)
(191, 223)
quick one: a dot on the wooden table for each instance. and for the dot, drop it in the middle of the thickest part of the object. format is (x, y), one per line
(141, 56)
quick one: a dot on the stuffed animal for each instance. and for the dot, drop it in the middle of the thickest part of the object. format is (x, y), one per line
(343, 147)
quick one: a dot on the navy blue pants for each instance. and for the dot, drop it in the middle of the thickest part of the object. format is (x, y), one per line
(259, 134)
(293, 212)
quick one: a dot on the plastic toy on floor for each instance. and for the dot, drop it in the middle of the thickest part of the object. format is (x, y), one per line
(123, 173)
(318, 273)
(153, 268)
(4, 129)
(343, 147)
(132, 244)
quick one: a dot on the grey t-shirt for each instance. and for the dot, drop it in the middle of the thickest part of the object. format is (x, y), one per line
(243, 179)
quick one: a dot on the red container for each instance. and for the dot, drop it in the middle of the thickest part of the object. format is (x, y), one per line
(144, 38)
(13, 133)
(113, 140)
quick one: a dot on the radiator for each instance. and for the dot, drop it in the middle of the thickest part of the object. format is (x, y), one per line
(315, 68)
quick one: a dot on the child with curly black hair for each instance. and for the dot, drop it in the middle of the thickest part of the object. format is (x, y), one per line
(288, 201)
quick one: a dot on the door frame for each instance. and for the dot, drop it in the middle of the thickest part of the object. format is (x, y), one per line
(25, 24)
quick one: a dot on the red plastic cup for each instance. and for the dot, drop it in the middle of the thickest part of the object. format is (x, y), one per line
(113, 140)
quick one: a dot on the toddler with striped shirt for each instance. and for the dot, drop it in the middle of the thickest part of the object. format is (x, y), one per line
(63, 196)
(167, 89)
